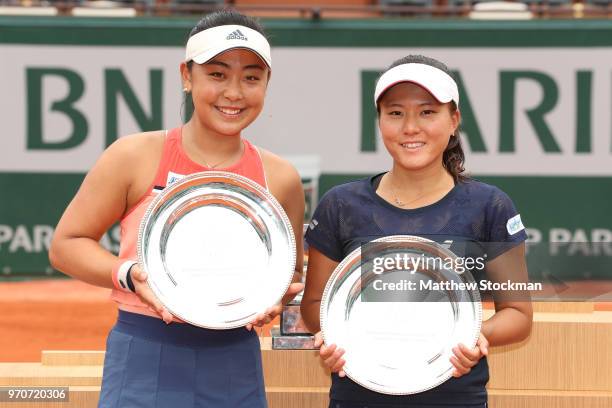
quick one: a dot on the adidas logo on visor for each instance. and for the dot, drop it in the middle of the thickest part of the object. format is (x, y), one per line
(236, 35)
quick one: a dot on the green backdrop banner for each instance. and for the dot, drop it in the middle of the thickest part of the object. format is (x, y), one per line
(536, 98)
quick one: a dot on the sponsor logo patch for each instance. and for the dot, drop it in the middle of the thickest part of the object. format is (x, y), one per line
(515, 224)
(173, 177)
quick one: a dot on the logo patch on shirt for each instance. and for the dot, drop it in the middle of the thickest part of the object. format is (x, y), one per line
(447, 244)
(173, 177)
(313, 224)
(515, 224)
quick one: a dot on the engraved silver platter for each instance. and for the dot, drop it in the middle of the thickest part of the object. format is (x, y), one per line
(400, 341)
(218, 249)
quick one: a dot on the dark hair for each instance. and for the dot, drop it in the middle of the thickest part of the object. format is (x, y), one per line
(225, 17)
(453, 158)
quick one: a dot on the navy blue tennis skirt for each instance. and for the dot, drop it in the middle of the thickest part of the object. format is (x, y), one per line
(151, 364)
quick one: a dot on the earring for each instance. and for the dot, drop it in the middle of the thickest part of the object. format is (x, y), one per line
(186, 90)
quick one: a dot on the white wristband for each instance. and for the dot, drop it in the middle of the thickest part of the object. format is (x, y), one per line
(122, 273)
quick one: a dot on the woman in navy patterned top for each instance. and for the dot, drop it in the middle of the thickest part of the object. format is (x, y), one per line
(425, 193)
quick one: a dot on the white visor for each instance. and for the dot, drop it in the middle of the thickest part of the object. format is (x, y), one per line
(207, 44)
(434, 80)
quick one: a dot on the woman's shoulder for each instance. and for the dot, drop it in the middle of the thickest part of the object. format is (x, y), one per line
(274, 160)
(138, 144)
(284, 181)
(349, 192)
(131, 158)
(128, 151)
(477, 189)
(489, 199)
(353, 186)
(278, 170)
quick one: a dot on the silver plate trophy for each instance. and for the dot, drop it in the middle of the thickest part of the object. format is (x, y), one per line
(218, 249)
(398, 338)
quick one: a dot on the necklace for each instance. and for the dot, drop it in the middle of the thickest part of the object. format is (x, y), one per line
(200, 157)
(395, 197)
(214, 166)
(231, 156)
(397, 200)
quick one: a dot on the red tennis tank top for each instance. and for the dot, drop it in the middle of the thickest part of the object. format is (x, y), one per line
(174, 165)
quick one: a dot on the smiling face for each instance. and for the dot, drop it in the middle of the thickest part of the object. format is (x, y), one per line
(415, 127)
(228, 91)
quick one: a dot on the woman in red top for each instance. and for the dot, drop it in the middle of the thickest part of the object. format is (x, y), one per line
(150, 362)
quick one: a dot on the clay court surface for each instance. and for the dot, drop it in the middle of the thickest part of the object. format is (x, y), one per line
(63, 314)
(51, 315)
(57, 314)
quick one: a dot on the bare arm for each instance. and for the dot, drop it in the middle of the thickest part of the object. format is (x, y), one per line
(511, 322)
(100, 202)
(293, 202)
(513, 316)
(320, 269)
(286, 186)
(113, 185)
